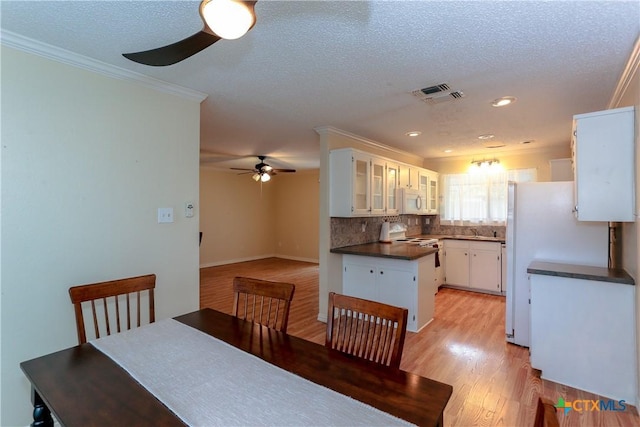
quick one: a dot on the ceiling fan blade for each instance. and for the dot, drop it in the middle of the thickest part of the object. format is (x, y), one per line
(243, 169)
(173, 53)
(284, 170)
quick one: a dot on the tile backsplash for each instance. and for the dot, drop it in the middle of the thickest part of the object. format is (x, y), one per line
(355, 231)
(435, 227)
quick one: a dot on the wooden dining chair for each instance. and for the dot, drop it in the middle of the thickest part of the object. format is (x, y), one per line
(366, 329)
(262, 301)
(545, 414)
(110, 302)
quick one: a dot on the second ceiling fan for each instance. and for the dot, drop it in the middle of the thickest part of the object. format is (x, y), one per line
(263, 172)
(222, 19)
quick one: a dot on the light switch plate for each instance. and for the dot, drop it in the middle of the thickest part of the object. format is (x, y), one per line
(165, 215)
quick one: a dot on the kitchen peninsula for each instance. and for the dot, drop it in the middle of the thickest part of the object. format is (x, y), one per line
(393, 273)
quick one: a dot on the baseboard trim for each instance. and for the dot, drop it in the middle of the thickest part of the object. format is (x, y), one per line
(235, 260)
(295, 258)
(255, 258)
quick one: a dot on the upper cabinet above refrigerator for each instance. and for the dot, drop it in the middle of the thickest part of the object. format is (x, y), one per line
(602, 149)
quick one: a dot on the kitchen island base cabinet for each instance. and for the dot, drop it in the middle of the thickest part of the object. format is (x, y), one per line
(408, 284)
(583, 334)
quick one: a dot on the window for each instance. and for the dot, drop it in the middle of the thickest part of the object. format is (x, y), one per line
(479, 197)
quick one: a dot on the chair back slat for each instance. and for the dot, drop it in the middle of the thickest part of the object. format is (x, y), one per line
(262, 301)
(104, 300)
(366, 329)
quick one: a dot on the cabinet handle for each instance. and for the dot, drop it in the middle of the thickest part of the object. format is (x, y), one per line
(371, 271)
(465, 254)
(381, 272)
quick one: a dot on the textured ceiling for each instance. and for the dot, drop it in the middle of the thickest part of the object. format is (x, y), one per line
(353, 64)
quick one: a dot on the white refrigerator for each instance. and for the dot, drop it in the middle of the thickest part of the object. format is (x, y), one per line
(541, 226)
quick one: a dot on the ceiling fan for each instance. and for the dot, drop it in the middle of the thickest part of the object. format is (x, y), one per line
(263, 172)
(222, 19)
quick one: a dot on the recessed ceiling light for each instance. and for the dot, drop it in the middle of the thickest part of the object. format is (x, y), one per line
(448, 150)
(505, 100)
(413, 133)
(486, 136)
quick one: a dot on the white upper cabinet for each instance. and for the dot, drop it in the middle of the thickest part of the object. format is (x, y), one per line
(432, 199)
(350, 182)
(603, 161)
(393, 178)
(423, 188)
(409, 177)
(363, 184)
(378, 186)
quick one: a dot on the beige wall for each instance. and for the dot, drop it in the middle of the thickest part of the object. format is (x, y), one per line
(236, 218)
(243, 220)
(296, 215)
(538, 159)
(86, 162)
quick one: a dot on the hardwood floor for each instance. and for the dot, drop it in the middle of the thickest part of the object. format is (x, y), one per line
(493, 382)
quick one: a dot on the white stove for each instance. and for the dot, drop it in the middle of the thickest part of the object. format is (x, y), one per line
(396, 232)
(419, 241)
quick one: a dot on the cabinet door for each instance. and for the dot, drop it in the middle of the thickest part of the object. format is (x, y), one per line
(485, 270)
(457, 266)
(423, 187)
(604, 165)
(361, 184)
(378, 176)
(432, 200)
(398, 287)
(393, 176)
(409, 176)
(360, 281)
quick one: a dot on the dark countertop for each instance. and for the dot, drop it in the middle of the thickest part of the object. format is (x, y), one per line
(465, 237)
(585, 272)
(397, 250)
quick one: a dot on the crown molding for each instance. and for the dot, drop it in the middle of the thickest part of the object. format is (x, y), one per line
(632, 67)
(25, 44)
(324, 130)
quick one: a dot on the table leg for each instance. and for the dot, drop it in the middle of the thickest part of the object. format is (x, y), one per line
(41, 414)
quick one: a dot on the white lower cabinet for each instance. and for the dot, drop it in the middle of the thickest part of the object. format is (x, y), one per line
(456, 262)
(474, 265)
(408, 284)
(583, 334)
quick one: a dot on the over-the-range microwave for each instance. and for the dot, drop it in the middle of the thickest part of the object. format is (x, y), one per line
(410, 201)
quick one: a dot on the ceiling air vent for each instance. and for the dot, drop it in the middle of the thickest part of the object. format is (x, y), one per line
(437, 94)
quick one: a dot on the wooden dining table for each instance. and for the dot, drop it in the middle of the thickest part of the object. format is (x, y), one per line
(81, 386)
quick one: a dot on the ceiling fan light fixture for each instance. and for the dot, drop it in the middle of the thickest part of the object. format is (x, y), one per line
(256, 177)
(229, 19)
(265, 177)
